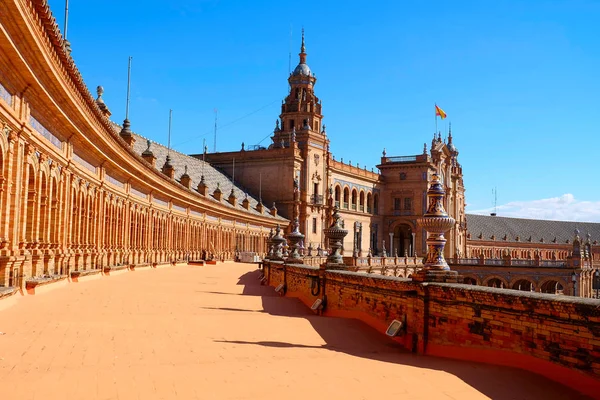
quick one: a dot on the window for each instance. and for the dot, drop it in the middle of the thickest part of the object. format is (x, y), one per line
(346, 197)
(314, 229)
(408, 203)
(292, 124)
(396, 203)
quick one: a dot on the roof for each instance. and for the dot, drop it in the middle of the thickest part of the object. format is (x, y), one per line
(302, 69)
(536, 229)
(212, 176)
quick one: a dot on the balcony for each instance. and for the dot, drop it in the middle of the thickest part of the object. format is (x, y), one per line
(316, 199)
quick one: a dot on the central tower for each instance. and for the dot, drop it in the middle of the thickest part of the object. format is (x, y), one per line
(301, 110)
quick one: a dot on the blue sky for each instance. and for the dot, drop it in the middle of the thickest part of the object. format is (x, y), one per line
(516, 78)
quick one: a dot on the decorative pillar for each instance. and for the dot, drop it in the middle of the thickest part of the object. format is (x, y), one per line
(412, 245)
(391, 244)
(295, 237)
(278, 243)
(436, 222)
(335, 234)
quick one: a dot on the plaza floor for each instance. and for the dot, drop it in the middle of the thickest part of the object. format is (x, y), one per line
(214, 333)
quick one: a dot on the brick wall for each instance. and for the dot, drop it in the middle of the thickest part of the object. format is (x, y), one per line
(555, 336)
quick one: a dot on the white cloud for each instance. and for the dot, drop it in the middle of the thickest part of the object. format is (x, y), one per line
(563, 208)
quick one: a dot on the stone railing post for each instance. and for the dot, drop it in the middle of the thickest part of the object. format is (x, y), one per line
(436, 222)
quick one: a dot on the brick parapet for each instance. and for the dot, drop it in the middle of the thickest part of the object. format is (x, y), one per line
(555, 336)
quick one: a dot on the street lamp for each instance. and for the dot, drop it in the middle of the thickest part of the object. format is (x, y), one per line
(597, 281)
(574, 280)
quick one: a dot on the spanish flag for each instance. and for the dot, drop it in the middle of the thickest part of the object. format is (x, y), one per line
(439, 112)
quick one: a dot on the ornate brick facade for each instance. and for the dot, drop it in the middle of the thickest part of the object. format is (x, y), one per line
(76, 196)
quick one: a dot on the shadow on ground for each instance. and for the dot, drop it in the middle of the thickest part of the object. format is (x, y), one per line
(358, 339)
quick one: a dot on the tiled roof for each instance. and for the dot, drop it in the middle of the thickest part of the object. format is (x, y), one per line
(487, 225)
(212, 176)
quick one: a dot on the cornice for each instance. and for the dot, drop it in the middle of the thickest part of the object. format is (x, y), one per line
(48, 48)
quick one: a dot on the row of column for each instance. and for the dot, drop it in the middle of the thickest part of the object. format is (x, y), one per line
(56, 221)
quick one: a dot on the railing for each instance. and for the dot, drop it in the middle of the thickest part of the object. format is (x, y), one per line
(114, 181)
(522, 263)
(345, 205)
(467, 261)
(354, 207)
(41, 129)
(79, 160)
(138, 193)
(337, 204)
(4, 94)
(369, 210)
(254, 147)
(508, 263)
(316, 199)
(401, 159)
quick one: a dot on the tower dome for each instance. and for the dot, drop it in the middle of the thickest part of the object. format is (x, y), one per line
(302, 69)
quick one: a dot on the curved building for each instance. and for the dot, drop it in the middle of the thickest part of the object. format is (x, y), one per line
(77, 192)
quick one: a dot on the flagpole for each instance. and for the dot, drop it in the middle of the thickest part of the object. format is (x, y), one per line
(435, 116)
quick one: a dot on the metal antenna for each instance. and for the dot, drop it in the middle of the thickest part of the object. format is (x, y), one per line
(495, 200)
(66, 19)
(233, 175)
(128, 88)
(495, 193)
(260, 188)
(203, 154)
(169, 142)
(290, 53)
(215, 142)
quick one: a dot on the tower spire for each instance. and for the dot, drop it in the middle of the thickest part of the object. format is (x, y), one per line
(302, 50)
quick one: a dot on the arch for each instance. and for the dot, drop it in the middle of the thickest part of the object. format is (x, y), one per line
(346, 197)
(403, 240)
(470, 280)
(353, 199)
(338, 192)
(369, 202)
(29, 203)
(361, 201)
(376, 203)
(2, 179)
(523, 284)
(495, 281)
(553, 286)
(44, 206)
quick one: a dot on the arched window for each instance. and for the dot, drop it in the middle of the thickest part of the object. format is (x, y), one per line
(369, 202)
(495, 283)
(354, 199)
(361, 201)
(337, 196)
(523, 285)
(346, 197)
(553, 287)
(470, 281)
(376, 204)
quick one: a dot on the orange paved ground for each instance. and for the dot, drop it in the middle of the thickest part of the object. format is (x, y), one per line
(214, 333)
